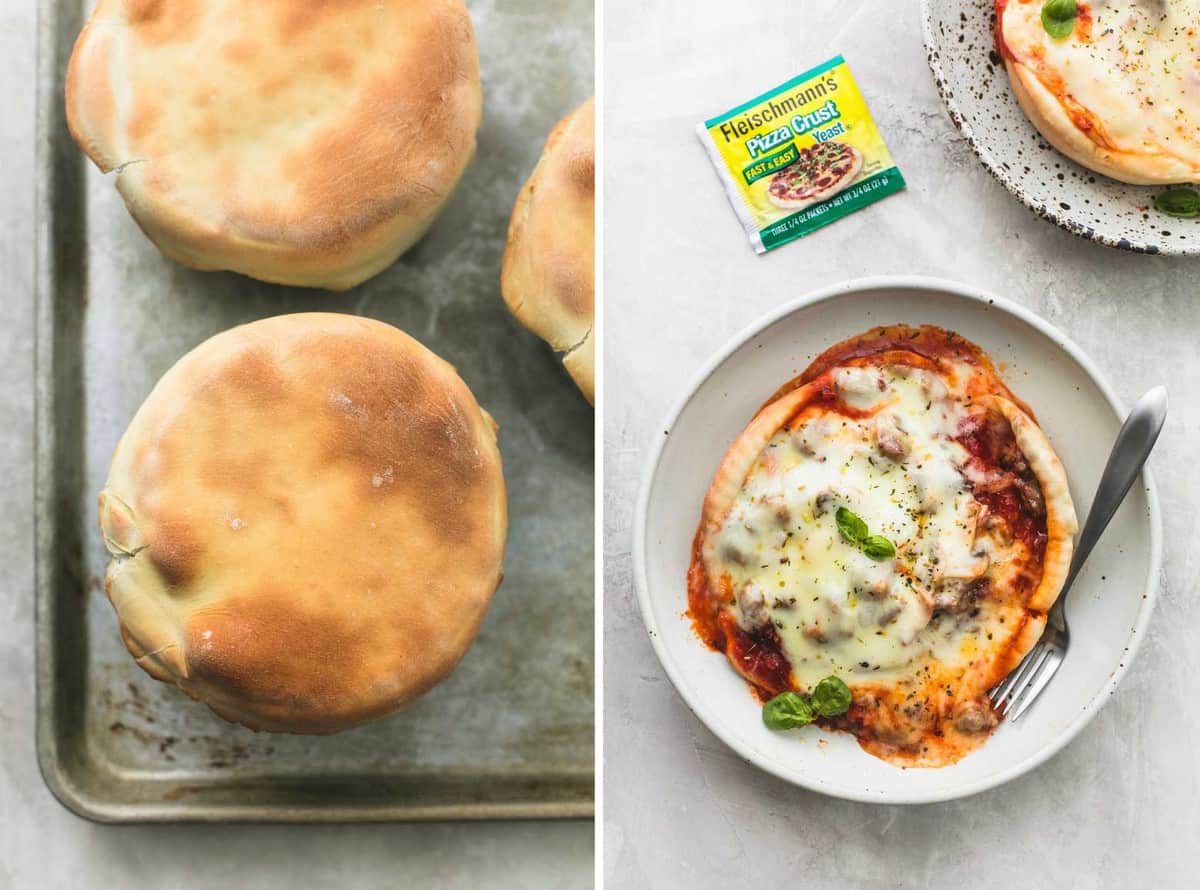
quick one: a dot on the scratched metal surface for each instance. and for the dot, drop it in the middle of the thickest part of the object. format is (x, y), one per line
(510, 733)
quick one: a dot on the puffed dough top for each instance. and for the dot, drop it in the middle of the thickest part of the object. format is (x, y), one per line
(307, 520)
(1121, 93)
(548, 278)
(305, 142)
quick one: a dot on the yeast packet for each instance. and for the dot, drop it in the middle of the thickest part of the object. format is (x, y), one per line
(800, 156)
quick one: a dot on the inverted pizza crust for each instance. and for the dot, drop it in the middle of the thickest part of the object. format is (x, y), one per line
(956, 716)
(1098, 96)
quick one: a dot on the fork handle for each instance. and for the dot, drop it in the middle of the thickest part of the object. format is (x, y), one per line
(1134, 443)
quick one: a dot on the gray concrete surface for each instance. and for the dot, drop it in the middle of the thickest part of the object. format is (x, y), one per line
(44, 846)
(1120, 806)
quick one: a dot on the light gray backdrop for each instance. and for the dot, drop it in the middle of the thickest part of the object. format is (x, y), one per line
(1120, 806)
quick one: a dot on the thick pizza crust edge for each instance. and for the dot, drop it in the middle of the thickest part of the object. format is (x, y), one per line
(1047, 115)
(1061, 521)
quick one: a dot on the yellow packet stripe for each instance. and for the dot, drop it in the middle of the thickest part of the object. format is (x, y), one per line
(796, 81)
(800, 156)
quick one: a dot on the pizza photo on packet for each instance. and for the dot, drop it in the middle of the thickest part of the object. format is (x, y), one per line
(800, 156)
(818, 173)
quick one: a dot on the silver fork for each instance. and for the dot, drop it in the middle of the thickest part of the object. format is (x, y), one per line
(1025, 683)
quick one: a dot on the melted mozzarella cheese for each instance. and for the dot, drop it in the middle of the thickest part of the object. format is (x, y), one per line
(1136, 67)
(898, 467)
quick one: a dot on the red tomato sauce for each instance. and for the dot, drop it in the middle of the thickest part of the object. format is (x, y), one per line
(703, 606)
(758, 656)
(987, 442)
(1083, 23)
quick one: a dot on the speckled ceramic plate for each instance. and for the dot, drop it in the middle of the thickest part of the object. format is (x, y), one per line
(1110, 603)
(974, 85)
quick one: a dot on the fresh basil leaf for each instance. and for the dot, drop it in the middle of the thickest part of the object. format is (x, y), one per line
(1058, 17)
(831, 697)
(787, 710)
(878, 548)
(1179, 202)
(851, 526)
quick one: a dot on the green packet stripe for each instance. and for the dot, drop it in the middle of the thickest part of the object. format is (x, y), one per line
(859, 195)
(770, 94)
(766, 165)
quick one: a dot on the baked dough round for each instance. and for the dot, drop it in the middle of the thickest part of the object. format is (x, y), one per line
(300, 143)
(548, 276)
(1118, 95)
(307, 520)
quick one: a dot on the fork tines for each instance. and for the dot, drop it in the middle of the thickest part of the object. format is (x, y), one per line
(1017, 692)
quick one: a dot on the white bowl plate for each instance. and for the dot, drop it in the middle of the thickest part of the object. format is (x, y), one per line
(961, 48)
(1108, 607)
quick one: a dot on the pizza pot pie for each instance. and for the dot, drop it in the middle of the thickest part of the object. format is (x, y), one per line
(301, 143)
(1119, 92)
(548, 273)
(306, 519)
(893, 517)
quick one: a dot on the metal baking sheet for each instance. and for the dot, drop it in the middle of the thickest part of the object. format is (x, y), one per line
(510, 734)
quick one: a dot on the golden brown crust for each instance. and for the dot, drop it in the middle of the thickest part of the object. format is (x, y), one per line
(307, 518)
(302, 143)
(548, 276)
